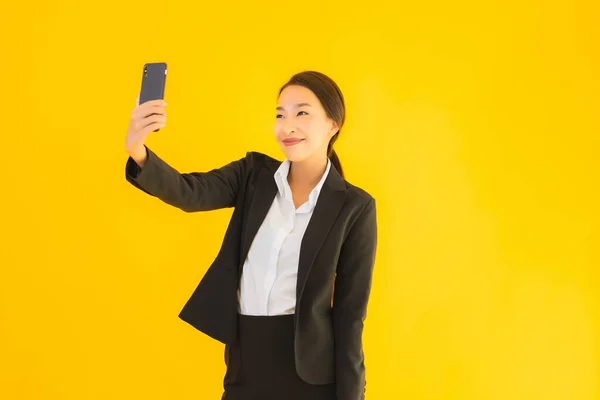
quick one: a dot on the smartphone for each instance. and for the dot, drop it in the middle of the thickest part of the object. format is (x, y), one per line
(153, 82)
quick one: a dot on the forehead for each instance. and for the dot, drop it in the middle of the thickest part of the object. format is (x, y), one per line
(294, 94)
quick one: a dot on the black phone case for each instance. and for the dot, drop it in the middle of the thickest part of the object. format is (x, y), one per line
(153, 82)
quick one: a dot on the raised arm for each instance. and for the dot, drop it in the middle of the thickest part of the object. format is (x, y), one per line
(192, 191)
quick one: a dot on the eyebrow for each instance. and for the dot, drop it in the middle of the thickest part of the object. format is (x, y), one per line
(297, 106)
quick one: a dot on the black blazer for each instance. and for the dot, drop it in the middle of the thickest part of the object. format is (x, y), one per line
(335, 267)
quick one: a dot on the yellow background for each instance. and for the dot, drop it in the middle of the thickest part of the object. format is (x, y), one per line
(474, 124)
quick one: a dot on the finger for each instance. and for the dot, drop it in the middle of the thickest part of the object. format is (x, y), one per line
(152, 127)
(140, 123)
(152, 119)
(148, 105)
(143, 112)
(151, 103)
(137, 100)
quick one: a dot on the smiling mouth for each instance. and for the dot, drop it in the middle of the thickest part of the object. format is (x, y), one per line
(292, 142)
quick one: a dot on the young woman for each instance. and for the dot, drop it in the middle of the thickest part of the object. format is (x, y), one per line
(288, 291)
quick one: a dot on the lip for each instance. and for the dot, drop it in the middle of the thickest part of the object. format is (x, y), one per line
(292, 142)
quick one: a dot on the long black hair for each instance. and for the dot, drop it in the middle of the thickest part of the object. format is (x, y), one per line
(332, 100)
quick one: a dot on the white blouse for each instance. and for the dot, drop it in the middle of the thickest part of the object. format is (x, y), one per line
(268, 282)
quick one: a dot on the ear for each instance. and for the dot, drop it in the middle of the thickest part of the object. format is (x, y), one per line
(334, 129)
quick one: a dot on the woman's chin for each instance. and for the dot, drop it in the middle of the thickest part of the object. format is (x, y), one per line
(293, 155)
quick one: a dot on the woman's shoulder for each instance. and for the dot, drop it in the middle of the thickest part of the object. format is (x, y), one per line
(358, 195)
(260, 158)
(359, 192)
(257, 160)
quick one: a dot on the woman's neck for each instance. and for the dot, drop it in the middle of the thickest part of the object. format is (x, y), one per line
(307, 173)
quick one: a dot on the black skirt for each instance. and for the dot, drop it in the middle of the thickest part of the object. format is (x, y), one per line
(260, 365)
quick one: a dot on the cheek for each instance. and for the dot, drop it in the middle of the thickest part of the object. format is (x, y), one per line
(315, 131)
(277, 127)
(310, 128)
(304, 127)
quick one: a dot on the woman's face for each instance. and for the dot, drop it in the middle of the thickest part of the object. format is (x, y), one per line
(302, 128)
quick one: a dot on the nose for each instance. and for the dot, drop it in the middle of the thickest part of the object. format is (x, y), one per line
(288, 128)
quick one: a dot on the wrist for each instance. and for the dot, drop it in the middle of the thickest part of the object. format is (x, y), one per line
(139, 155)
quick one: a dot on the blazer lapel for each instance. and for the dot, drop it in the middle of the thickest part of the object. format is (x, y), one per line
(263, 193)
(330, 202)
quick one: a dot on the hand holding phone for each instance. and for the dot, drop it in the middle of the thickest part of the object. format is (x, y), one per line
(149, 115)
(153, 83)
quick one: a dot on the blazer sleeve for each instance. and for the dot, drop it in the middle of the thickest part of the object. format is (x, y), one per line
(192, 191)
(351, 295)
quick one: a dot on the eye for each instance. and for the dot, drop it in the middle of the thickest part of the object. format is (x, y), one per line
(279, 116)
(301, 112)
